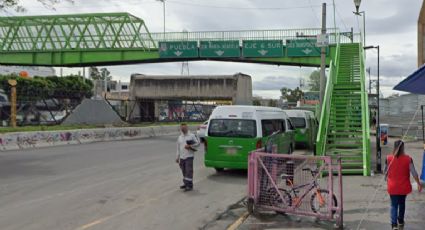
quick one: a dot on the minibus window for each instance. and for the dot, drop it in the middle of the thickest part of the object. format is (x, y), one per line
(232, 128)
(298, 122)
(271, 126)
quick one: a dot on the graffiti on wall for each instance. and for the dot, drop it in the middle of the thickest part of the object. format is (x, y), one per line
(38, 139)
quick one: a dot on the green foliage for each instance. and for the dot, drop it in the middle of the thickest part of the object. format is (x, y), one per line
(38, 88)
(102, 74)
(272, 103)
(314, 81)
(256, 102)
(292, 95)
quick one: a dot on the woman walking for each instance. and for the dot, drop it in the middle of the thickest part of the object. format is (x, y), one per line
(398, 168)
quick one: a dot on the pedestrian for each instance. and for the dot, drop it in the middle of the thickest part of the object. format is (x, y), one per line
(187, 145)
(398, 167)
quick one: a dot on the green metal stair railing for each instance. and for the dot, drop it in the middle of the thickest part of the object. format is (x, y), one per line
(343, 132)
(365, 114)
(321, 138)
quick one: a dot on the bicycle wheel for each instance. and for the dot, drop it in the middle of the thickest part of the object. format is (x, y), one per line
(320, 204)
(276, 199)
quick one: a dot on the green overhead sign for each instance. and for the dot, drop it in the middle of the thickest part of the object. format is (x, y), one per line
(262, 48)
(217, 49)
(187, 49)
(302, 48)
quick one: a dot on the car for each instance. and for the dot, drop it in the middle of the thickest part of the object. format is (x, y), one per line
(201, 131)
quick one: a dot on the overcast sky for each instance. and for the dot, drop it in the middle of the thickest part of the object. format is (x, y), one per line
(392, 24)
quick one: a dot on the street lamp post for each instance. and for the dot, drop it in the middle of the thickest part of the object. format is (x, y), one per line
(357, 4)
(378, 141)
(163, 14)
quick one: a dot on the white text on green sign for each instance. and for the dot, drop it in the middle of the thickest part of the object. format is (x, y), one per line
(262, 48)
(302, 48)
(187, 49)
(219, 49)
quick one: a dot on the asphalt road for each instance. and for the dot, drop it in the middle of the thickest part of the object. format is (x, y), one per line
(110, 185)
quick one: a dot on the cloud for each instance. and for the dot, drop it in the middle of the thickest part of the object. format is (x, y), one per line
(390, 24)
(393, 66)
(275, 83)
(383, 17)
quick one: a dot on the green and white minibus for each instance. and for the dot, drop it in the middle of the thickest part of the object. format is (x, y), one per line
(234, 131)
(306, 127)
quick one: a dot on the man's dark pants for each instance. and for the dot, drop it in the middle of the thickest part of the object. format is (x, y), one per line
(186, 165)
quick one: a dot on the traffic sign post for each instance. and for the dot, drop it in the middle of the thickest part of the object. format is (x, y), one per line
(187, 49)
(302, 48)
(219, 49)
(322, 40)
(262, 48)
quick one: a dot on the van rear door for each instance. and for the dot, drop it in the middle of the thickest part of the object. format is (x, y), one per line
(230, 140)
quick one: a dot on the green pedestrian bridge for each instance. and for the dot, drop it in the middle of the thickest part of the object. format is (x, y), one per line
(121, 38)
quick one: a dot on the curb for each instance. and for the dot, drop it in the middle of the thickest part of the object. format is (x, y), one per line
(238, 222)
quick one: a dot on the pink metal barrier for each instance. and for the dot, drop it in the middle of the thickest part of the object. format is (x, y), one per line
(295, 184)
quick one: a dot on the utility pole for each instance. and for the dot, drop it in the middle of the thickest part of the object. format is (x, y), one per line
(378, 145)
(323, 59)
(12, 84)
(378, 139)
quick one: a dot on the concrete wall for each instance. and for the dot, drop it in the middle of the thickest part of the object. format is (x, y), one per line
(237, 88)
(24, 140)
(243, 92)
(405, 104)
(400, 113)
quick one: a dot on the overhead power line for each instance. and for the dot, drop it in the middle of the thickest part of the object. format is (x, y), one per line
(176, 2)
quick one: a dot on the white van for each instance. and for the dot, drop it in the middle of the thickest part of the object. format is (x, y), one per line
(306, 126)
(234, 131)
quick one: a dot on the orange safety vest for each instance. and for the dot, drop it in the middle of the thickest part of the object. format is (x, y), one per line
(398, 177)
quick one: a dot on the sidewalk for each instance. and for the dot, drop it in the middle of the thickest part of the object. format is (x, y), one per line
(360, 193)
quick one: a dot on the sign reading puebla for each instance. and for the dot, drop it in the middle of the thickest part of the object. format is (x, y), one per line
(219, 49)
(302, 48)
(186, 49)
(262, 48)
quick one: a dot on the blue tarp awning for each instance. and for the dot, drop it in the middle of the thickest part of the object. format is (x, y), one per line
(414, 83)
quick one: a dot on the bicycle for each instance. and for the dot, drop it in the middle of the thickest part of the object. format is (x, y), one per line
(318, 201)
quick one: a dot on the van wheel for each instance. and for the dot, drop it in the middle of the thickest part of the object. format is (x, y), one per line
(290, 150)
(219, 169)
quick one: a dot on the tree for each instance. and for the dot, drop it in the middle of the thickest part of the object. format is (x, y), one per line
(256, 102)
(94, 73)
(16, 6)
(272, 103)
(292, 95)
(105, 74)
(40, 88)
(314, 81)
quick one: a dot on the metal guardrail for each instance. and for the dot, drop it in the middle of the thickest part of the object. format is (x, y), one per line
(284, 34)
(365, 112)
(295, 184)
(326, 107)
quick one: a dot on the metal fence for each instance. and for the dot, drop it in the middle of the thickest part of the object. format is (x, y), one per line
(283, 34)
(295, 184)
